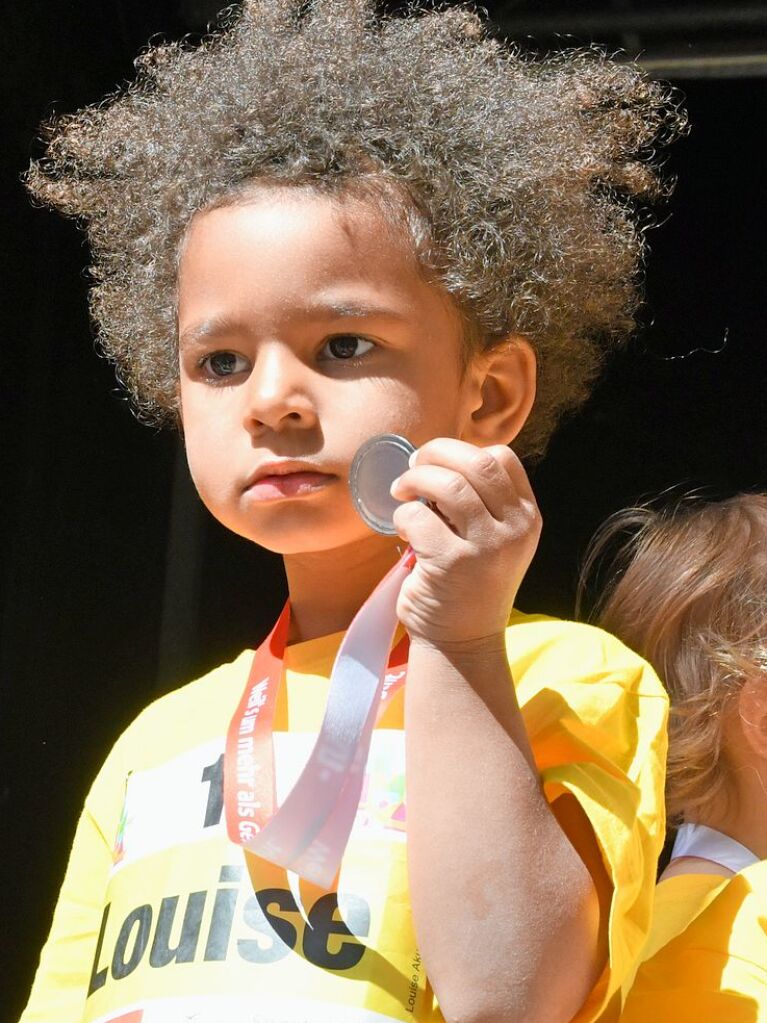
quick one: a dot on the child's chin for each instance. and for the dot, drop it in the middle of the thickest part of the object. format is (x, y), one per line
(309, 540)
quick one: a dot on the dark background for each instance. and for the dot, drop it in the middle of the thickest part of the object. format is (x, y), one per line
(116, 585)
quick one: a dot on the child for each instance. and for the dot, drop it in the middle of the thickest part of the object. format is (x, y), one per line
(692, 599)
(317, 227)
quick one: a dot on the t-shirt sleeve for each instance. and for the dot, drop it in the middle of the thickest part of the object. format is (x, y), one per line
(596, 716)
(61, 983)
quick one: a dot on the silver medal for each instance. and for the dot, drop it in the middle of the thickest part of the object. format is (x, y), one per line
(378, 462)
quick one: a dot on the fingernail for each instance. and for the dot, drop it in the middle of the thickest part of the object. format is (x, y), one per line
(411, 460)
(394, 484)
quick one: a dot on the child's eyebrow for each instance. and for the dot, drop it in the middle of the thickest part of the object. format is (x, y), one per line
(320, 310)
(350, 309)
(216, 326)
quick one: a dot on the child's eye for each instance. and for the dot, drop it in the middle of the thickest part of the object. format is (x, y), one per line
(346, 346)
(224, 364)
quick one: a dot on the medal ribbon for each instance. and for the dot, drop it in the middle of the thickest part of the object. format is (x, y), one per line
(309, 832)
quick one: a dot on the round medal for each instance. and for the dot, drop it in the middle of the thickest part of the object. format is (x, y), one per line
(378, 462)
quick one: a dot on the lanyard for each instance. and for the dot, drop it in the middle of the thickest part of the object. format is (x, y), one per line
(309, 832)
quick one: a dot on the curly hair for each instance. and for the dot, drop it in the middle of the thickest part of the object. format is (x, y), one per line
(689, 593)
(525, 174)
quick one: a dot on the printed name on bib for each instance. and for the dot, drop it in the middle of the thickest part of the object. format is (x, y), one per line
(257, 927)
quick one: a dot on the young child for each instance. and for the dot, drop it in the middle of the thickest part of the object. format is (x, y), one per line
(692, 599)
(316, 227)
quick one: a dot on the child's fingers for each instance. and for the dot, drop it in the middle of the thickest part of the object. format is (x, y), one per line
(449, 491)
(514, 469)
(420, 526)
(495, 473)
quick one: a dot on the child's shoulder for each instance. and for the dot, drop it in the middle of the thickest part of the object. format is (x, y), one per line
(707, 951)
(192, 714)
(587, 698)
(566, 651)
(186, 727)
(595, 714)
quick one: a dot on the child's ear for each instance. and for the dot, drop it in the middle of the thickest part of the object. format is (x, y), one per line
(752, 711)
(503, 392)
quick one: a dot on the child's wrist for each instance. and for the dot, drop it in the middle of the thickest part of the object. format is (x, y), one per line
(467, 648)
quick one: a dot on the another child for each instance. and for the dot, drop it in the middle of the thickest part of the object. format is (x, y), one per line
(692, 599)
(316, 227)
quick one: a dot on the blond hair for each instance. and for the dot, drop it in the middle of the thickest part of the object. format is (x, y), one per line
(688, 591)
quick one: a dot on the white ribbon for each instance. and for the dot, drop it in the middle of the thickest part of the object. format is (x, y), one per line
(309, 832)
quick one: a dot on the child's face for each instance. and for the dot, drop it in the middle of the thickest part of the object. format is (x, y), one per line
(305, 328)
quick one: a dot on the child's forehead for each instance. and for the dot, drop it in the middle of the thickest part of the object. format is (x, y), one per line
(358, 211)
(313, 254)
(274, 223)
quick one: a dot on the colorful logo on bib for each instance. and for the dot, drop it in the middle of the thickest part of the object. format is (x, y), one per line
(118, 850)
(382, 803)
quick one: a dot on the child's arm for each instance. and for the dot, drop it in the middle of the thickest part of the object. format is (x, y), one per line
(61, 983)
(64, 975)
(506, 912)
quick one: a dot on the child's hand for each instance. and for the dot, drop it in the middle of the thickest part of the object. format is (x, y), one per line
(473, 547)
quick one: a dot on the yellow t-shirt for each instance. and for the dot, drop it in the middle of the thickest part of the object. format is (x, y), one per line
(159, 922)
(706, 961)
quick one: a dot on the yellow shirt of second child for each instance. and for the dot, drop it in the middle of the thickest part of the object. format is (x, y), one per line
(706, 959)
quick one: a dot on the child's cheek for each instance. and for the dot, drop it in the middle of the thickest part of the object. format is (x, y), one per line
(211, 472)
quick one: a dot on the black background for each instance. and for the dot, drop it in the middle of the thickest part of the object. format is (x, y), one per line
(113, 592)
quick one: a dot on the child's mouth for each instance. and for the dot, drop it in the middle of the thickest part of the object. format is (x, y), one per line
(292, 484)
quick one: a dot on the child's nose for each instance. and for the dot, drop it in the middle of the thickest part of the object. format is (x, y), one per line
(278, 390)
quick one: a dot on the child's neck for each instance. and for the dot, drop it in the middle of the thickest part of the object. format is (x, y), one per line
(743, 816)
(327, 588)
